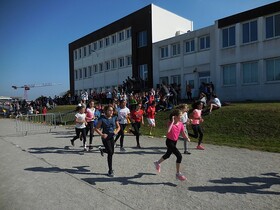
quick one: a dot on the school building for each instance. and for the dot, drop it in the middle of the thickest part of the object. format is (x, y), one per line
(239, 54)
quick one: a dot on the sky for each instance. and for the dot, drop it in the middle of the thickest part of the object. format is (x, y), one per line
(34, 34)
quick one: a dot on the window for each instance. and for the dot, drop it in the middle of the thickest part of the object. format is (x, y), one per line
(128, 33)
(95, 69)
(143, 72)
(85, 51)
(113, 39)
(100, 43)
(163, 80)
(121, 62)
(113, 64)
(229, 74)
(176, 79)
(100, 67)
(272, 26)
(81, 73)
(90, 71)
(80, 53)
(107, 41)
(190, 46)
(142, 39)
(250, 31)
(85, 72)
(164, 52)
(204, 42)
(228, 36)
(75, 54)
(250, 72)
(121, 36)
(128, 60)
(76, 74)
(95, 46)
(107, 65)
(273, 70)
(89, 49)
(176, 50)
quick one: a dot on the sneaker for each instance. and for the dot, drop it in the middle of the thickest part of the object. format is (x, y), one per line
(90, 147)
(157, 165)
(138, 147)
(122, 149)
(187, 152)
(101, 151)
(180, 176)
(151, 137)
(85, 147)
(111, 173)
(200, 147)
(72, 142)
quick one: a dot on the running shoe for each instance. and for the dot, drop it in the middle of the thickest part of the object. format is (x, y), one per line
(200, 147)
(90, 147)
(72, 142)
(122, 149)
(111, 173)
(101, 151)
(157, 165)
(187, 152)
(180, 176)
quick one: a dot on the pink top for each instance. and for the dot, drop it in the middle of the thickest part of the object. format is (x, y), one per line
(196, 117)
(175, 131)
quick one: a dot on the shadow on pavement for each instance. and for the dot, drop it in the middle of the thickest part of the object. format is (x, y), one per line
(57, 150)
(75, 170)
(128, 180)
(255, 185)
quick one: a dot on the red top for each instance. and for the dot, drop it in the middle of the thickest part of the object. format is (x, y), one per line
(137, 115)
(151, 112)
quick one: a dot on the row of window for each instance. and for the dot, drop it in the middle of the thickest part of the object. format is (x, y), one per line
(249, 31)
(250, 72)
(105, 42)
(87, 72)
(189, 46)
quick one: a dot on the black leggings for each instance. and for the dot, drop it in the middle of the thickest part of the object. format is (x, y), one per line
(109, 149)
(121, 134)
(171, 148)
(91, 131)
(197, 130)
(78, 131)
(136, 126)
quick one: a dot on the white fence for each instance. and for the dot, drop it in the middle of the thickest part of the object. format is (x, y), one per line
(35, 123)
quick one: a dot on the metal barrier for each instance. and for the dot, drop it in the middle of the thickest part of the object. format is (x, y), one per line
(35, 123)
(64, 118)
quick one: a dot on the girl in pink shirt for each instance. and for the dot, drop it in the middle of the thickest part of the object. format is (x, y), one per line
(175, 128)
(196, 119)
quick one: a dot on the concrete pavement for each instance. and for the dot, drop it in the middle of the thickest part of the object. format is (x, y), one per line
(43, 171)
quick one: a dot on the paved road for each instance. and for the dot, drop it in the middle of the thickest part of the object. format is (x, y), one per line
(42, 171)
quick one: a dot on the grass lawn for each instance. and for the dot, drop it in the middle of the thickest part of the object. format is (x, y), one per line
(246, 125)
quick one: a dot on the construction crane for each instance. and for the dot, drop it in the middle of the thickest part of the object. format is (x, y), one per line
(27, 87)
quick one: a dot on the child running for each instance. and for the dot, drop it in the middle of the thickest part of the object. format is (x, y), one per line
(137, 119)
(151, 112)
(110, 127)
(80, 127)
(90, 122)
(175, 127)
(123, 115)
(185, 120)
(196, 119)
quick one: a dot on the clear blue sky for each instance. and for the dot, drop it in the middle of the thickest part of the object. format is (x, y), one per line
(34, 34)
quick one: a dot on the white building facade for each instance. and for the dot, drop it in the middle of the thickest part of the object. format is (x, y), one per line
(239, 54)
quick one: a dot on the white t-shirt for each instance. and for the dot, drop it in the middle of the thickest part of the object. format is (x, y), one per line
(80, 117)
(122, 114)
(184, 117)
(217, 101)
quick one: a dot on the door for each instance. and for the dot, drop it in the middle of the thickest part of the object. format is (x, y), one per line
(189, 79)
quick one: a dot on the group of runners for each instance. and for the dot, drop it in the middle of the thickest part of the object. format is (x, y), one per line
(110, 123)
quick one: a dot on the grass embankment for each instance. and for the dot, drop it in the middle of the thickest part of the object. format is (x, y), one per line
(246, 125)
